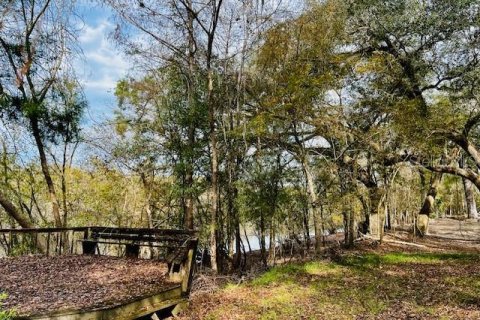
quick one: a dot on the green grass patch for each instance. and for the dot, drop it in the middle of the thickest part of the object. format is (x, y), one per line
(321, 268)
(282, 274)
(289, 273)
(371, 260)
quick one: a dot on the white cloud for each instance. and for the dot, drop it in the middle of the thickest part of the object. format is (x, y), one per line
(106, 83)
(109, 59)
(103, 64)
(91, 33)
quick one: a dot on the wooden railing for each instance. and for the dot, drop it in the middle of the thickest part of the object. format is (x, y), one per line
(49, 241)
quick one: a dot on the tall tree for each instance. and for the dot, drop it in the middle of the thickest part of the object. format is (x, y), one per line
(200, 38)
(162, 133)
(296, 67)
(36, 39)
(420, 62)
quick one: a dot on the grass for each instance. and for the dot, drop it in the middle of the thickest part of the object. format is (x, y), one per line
(371, 260)
(367, 286)
(5, 314)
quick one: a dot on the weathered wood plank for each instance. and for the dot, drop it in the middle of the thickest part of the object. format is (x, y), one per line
(102, 229)
(139, 237)
(127, 311)
(145, 244)
(43, 230)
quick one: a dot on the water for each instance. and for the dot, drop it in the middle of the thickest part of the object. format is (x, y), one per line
(255, 240)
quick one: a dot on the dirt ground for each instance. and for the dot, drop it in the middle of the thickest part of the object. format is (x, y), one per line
(38, 284)
(457, 229)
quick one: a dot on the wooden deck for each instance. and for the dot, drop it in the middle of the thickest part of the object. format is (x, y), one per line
(106, 279)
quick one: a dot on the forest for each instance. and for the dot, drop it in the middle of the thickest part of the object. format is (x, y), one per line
(303, 141)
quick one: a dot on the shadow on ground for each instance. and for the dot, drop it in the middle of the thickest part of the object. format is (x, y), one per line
(355, 286)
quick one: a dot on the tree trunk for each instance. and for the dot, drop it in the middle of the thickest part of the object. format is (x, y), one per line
(374, 221)
(189, 201)
(64, 184)
(230, 220)
(214, 168)
(13, 212)
(428, 205)
(150, 208)
(238, 241)
(351, 228)
(46, 173)
(312, 192)
(306, 227)
(470, 202)
(21, 219)
(317, 226)
(248, 241)
(263, 246)
(271, 248)
(322, 226)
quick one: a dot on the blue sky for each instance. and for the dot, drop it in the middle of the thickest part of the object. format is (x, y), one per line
(102, 64)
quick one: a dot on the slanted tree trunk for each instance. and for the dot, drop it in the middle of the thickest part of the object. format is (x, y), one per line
(21, 219)
(246, 238)
(46, 173)
(423, 216)
(14, 213)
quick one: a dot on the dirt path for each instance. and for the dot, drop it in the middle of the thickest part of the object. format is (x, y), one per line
(456, 229)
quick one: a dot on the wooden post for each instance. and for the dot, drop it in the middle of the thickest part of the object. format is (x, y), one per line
(59, 243)
(88, 246)
(132, 250)
(72, 243)
(36, 242)
(48, 243)
(188, 269)
(10, 243)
